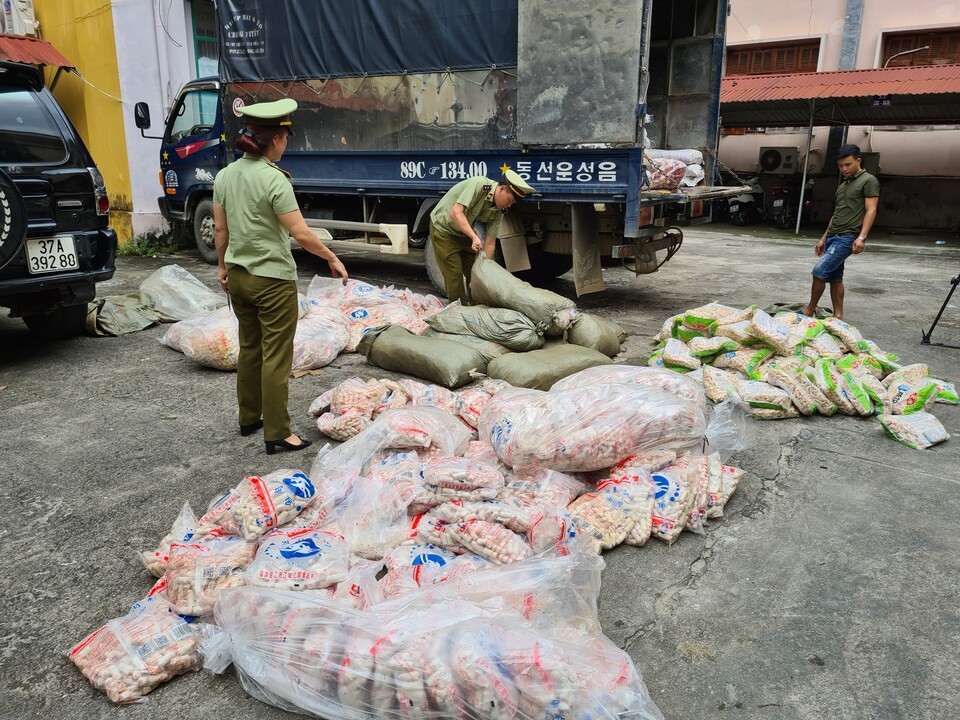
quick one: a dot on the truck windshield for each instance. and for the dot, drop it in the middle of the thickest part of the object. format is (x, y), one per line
(194, 114)
(28, 134)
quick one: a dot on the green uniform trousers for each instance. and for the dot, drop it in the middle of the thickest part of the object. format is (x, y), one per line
(455, 258)
(267, 311)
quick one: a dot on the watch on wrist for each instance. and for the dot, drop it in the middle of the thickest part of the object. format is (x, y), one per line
(862, 237)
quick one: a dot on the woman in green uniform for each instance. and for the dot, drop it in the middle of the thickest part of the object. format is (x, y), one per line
(256, 213)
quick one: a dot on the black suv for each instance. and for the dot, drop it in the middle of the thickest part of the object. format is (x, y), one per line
(54, 240)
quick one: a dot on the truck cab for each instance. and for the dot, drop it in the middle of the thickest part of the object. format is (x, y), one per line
(192, 151)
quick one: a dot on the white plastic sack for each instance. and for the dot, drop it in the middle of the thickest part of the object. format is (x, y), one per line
(178, 295)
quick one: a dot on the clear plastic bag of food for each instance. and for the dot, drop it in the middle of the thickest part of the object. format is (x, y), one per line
(213, 341)
(541, 487)
(910, 374)
(826, 346)
(719, 384)
(588, 429)
(850, 336)
(680, 386)
(748, 360)
(131, 655)
(680, 498)
(448, 659)
(918, 430)
(947, 392)
(303, 559)
(677, 353)
(772, 332)
(261, 503)
(701, 347)
(419, 428)
(182, 531)
(724, 480)
(608, 515)
(197, 572)
(906, 398)
(763, 395)
(322, 334)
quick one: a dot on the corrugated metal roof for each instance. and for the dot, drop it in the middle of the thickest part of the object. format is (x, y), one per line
(882, 96)
(17, 48)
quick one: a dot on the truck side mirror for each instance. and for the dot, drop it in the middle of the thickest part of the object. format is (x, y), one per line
(141, 115)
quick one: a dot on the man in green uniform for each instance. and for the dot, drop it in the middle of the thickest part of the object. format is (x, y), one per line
(855, 209)
(455, 243)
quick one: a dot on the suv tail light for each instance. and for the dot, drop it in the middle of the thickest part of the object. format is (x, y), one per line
(99, 191)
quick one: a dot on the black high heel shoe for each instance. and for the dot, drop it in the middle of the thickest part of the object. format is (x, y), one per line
(274, 445)
(251, 428)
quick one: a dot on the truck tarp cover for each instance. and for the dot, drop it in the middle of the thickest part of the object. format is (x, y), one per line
(299, 39)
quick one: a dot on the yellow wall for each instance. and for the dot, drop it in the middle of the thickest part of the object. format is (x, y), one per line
(83, 31)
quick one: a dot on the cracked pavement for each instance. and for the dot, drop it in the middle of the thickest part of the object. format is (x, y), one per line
(828, 589)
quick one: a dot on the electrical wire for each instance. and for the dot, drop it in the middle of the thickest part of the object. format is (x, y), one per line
(163, 25)
(735, 17)
(102, 92)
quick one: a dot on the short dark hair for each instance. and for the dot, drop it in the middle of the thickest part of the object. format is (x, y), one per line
(849, 150)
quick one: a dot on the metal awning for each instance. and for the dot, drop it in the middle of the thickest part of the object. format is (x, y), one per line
(924, 95)
(34, 51)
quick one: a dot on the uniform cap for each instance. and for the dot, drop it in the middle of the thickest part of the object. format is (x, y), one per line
(276, 113)
(517, 184)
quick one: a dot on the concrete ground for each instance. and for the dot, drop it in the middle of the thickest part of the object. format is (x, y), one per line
(829, 589)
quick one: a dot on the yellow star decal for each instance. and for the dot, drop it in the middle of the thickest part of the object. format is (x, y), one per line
(504, 168)
(166, 156)
(223, 137)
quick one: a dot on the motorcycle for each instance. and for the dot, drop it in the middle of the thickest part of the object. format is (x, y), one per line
(748, 208)
(786, 204)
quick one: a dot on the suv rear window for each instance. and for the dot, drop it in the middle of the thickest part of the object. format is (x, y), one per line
(28, 134)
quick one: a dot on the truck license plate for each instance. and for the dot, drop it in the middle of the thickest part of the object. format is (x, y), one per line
(778, 203)
(51, 255)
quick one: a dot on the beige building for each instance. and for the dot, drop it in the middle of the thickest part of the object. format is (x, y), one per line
(919, 166)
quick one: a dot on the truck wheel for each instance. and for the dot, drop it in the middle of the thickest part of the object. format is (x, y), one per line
(203, 230)
(433, 268)
(13, 220)
(60, 323)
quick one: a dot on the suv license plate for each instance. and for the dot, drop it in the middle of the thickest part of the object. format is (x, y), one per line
(46, 255)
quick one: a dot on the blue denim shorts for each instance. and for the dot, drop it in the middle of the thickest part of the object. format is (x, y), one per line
(837, 249)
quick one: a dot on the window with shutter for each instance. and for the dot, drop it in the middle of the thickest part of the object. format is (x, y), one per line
(933, 47)
(773, 58)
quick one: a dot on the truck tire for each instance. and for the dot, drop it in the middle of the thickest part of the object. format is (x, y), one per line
(13, 220)
(60, 323)
(203, 231)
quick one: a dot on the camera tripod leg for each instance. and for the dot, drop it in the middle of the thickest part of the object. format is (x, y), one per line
(926, 335)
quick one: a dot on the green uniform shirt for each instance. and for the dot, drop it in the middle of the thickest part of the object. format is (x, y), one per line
(476, 196)
(850, 205)
(252, 192)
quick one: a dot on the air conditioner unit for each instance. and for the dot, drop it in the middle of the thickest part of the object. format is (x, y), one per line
(19, 18)
(779, 160)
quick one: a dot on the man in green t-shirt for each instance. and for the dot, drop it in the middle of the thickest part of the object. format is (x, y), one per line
(855, 209)
(455, 242)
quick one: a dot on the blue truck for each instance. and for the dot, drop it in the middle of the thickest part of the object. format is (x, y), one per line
(399, 101)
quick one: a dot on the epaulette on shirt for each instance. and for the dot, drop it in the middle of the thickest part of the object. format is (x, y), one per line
(280, 169)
